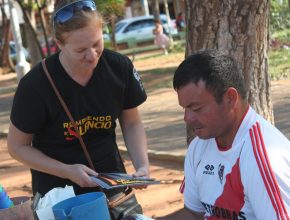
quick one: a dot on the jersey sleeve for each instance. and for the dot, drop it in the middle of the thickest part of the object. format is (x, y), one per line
(135, 93)
(191, 198)
(265, 179)
(28, 111)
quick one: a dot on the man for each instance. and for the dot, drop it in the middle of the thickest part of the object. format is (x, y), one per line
(238, 166)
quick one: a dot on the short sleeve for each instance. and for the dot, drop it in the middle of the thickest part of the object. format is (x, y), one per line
(28, 111)
(191, 198)
(135, 93)
(269, 180)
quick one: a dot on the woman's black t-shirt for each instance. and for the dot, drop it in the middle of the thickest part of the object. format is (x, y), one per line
(114, 86)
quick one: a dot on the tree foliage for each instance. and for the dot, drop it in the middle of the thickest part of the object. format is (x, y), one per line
(280, 15)
(111, 7)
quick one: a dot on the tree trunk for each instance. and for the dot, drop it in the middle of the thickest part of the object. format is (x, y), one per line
(5, 61)
(34, 46)
(43, 25)
(239, 28)
(113, 25)
(156, 11)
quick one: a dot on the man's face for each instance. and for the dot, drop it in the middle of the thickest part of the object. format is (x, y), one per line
(82, 48)
(208, 118)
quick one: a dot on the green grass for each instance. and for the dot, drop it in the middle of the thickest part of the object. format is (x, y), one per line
(279, 57)
(279, 64)
(283, 35)
(108, 44)
(279, 68)
(157, 78)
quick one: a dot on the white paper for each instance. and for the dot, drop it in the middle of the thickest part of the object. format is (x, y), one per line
(44, 207)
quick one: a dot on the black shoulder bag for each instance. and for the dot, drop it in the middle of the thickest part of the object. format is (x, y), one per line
(126, 203)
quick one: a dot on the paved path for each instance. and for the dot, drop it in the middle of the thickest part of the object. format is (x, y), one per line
(163, 119)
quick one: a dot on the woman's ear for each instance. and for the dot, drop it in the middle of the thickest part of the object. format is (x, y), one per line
(58, 43)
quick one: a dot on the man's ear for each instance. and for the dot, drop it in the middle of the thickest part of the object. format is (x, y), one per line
(231, 96)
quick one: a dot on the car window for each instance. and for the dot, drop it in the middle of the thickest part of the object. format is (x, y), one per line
(119, 26)
(133, 26)
(148, 23)
(138, 25)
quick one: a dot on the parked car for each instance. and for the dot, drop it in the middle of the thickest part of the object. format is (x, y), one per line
(138, 30)
(13, 56)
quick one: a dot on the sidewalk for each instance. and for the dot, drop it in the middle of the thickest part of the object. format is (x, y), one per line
(163, 119)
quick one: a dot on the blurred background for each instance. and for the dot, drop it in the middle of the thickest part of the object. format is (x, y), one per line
(128, 30)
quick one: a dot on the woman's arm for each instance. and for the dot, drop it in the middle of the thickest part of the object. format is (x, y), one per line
(19, 147)
(135, 140)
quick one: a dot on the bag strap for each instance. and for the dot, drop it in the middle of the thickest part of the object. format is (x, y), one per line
(84, 147)
(129, 192)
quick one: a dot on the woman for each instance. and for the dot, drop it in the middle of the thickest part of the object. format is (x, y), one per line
(98, 86)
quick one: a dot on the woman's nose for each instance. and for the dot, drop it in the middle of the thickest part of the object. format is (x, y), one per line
(91, 54)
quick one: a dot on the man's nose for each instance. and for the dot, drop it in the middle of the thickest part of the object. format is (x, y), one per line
(189, 116)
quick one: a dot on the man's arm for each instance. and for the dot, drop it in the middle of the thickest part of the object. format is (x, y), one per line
(184, 214)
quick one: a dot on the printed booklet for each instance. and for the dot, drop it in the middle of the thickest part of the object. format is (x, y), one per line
(114, 180)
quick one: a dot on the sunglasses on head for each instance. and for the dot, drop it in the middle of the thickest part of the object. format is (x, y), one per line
(66, 12)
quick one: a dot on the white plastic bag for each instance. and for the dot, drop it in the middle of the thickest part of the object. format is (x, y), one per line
(44, 206)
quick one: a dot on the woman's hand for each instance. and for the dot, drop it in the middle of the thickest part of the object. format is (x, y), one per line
(141, 172)
(80, 174)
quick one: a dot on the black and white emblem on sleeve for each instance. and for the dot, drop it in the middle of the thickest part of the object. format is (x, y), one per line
(138, 78)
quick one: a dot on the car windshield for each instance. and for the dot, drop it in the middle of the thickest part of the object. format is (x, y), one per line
(119, 25)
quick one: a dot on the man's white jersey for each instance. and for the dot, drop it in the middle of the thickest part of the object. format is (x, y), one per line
(249, 180)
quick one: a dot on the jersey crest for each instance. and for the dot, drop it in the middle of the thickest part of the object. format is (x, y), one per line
(221, 172)
(138, 78)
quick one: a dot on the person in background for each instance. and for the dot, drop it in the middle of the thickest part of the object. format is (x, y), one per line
(161, 39)
(238, 165)
(180, 22)
(99, 87)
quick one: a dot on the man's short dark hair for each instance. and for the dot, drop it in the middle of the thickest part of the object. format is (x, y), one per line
(218, 71)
